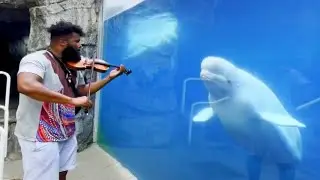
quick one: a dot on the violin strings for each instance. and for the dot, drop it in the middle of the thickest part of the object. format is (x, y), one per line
(91, 75)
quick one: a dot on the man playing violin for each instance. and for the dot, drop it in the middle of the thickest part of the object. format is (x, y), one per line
(49, 95)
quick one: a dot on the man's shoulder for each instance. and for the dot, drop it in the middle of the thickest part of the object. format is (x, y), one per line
(35, 54)
(34, 62)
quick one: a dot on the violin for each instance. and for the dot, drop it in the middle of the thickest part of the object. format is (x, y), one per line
(97, 65)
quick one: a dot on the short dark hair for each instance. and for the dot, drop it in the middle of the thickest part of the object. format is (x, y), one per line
(63, 28)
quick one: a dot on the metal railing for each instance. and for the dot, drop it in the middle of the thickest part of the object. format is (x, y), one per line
(193, 106)
(2, 155)
(183, 104)
(184, 91)
(4, 130)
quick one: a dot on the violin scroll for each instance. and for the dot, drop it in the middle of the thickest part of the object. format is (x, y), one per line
(126, 71)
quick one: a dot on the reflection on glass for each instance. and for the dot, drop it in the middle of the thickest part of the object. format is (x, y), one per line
(150, 31)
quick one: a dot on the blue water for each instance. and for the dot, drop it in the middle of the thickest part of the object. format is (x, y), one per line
(141, 120)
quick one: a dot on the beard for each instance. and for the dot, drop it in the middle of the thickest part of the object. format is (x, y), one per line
(70, 54)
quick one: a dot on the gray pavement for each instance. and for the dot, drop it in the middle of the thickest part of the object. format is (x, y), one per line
(93, 164)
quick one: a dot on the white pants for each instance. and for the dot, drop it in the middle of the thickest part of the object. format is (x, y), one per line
(44, 160)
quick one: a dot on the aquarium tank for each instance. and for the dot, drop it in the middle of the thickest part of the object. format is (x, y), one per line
(219, 90)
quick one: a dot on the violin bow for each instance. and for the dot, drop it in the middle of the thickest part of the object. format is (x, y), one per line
(89, 90)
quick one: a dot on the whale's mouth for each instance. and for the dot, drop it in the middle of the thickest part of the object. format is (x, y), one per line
(205, 78)
(214, 78)
(218, 85)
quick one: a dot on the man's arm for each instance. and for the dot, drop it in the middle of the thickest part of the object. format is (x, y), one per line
(30, 81)
(31, 85)
(95, 86)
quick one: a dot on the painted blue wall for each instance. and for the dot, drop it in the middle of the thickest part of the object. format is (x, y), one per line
(163, 42)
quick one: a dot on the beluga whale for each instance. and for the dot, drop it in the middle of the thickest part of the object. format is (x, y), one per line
(253, 116)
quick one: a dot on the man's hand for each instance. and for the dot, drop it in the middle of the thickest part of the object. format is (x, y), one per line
(82, 101)
(117, 72)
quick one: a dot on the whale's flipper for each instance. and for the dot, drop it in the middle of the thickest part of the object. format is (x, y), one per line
(203, 115)
(254, 164)
(286, 171)
(281, 120)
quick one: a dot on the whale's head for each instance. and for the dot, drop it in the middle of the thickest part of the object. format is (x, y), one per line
(218, 75)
